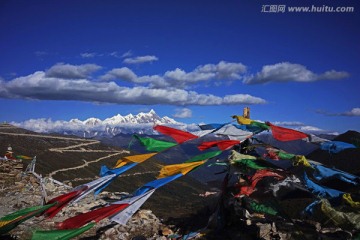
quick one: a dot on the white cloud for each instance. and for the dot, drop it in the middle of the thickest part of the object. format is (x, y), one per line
(127, 54)
(355, 112)
(285, 71)
(140, 59)
(223, 70)
(39, 86)
(68, 71)
(183, 113)
(315, 130)
(48, 125)
(178, 78)
(333, 75)
(243, 98)
(302, 127)
(88, 54)
(114, 54)
(123, 73)
(287, 123)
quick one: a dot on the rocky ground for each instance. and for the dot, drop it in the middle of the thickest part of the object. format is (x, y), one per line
(19, 190)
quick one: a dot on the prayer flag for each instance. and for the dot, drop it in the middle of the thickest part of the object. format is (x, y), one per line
(178, 135)
(154, 145)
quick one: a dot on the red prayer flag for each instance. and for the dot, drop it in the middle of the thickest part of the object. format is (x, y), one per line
(61, 202)
(178, 135)
(95, 215)
(222, 144)
(286, 134)
(271, 155)
(260, 174)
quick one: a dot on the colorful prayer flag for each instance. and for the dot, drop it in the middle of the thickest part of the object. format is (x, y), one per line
(221, 144)
(348, 199)
(12, 220)
(178, 135)
(156, 184)
(154, 145)
(60, 202)
(134, 204)
(92, 186)
(321, 191)
(242, 120)
(182, 168)
(60, 234)
(95, 215)
(286, 134)
(134, 158)
(335, 146)
(204, 156)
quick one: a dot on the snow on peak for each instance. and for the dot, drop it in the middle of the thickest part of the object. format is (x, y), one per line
(139, 123)
(92, 122)
(140, 118)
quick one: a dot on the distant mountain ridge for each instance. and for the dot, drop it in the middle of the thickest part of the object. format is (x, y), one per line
(140, 123)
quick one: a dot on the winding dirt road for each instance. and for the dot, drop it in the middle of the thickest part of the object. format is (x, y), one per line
(76, 147)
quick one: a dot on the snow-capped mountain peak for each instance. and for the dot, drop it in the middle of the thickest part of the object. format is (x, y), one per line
(139, 123)
(92, 122)
(150, 117)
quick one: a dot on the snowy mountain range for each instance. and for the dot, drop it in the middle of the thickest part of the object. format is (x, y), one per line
(150, 117)
(141, 123)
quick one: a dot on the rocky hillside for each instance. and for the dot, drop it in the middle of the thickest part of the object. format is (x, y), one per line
(21, 190)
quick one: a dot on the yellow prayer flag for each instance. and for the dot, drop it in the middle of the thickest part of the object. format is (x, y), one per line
(347, 198)
(242, 120)
(301, 160)
(183, 168)
(238, 156)
(134, 158)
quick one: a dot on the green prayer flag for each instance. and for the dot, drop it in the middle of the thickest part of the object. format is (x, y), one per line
(204, 156)
(152, 144)
(60, 234)
(12, 220)
(250, 163)
(284, 155)
(261, 208)
(260, 125)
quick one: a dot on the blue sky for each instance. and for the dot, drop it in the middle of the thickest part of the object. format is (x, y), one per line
(196, 61)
